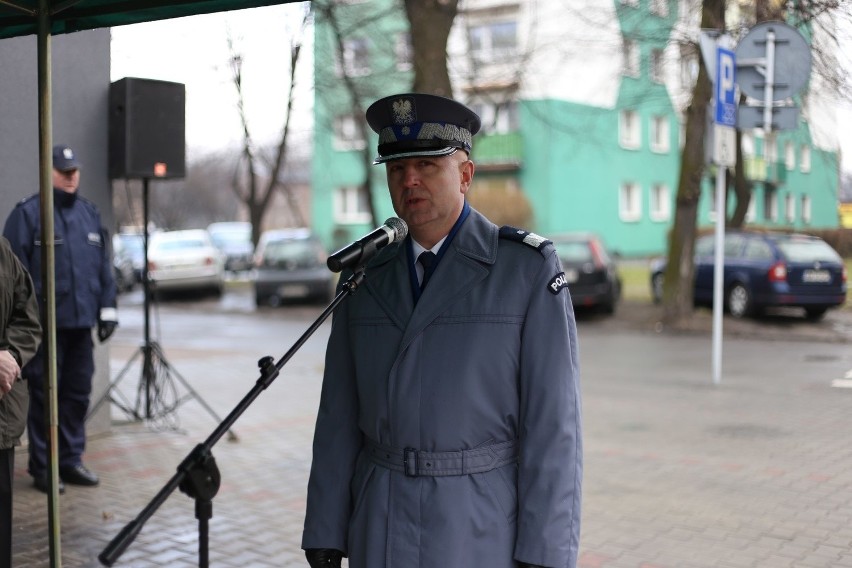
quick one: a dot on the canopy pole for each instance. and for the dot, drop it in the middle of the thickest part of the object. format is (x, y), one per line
(48, 271)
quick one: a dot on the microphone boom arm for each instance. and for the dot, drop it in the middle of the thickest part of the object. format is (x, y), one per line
(197, 475)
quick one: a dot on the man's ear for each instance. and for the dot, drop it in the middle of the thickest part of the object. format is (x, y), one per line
(466, 169)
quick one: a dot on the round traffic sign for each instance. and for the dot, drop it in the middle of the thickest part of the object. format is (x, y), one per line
(792, 61)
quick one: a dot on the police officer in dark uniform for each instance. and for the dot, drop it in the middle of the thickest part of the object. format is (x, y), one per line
(85, 298)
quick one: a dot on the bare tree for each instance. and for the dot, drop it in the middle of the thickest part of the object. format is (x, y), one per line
(677, 289)
(255, 181)
(359, 85)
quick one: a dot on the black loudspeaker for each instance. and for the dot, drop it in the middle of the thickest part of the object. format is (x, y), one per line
(147, 121)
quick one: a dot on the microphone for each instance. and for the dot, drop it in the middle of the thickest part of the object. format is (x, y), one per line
(362, 250)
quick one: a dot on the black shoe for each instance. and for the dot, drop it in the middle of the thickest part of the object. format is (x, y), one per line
(78, 475)
(40, 483)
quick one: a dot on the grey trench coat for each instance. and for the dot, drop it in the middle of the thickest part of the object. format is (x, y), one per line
(487, 355)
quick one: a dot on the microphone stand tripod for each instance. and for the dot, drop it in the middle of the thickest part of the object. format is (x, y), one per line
(156, 370)
(197, 475)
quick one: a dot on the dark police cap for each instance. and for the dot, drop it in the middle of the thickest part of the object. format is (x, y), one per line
(64, 158)
(417, 124)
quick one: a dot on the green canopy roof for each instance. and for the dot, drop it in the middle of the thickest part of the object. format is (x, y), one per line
(19, 17)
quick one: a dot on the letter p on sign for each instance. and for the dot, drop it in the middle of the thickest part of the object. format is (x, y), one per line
(725, 91)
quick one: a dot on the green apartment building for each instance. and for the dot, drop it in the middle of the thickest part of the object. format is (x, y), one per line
(582, 106)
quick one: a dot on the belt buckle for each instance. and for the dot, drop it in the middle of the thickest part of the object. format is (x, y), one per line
(409, 462)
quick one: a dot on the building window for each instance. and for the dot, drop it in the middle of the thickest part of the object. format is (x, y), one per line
(494, 41)
(660, 8)
(770, 204)
(659, 133)
(630, 65)
(351, 205)
(356, 57)
(347, 133)
(630, 202)
(660, 203)
(688, 69)
(403, 52)
(629, 131)
(806, 209)
(711, 212)
(790, 208)
(805, 158)
(770, 150)
(751, 212)
(657, 65)
(789, 156)
(747, 142)
(497, 117)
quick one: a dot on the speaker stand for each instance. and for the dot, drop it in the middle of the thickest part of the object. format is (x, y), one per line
(157, 372)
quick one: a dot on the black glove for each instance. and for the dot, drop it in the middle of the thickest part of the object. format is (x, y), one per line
(105, 329)
(323, 557)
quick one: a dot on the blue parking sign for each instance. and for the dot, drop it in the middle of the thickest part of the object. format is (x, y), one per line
(724, 91)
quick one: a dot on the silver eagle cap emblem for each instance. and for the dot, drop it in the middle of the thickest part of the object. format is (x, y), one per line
(403, 111)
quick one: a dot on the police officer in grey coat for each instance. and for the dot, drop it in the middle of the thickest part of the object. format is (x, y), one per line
(449, 431)
(85, 298)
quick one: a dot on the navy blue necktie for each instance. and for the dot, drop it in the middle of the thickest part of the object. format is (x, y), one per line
(427, 261)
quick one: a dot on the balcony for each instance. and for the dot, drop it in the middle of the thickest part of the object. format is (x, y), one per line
(758, 169)
(498, 152)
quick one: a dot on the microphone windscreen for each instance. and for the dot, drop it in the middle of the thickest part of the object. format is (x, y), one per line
(400, 228)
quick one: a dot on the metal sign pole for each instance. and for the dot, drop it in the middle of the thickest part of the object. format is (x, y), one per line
(724, 155)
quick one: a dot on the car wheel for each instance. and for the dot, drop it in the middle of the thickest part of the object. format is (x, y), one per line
(273, 301)
(815, 314)
(657, 287)
(739, 301)
(608, 306)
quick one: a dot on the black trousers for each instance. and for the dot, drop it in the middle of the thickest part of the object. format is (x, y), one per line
(75, 366)
(7, 472)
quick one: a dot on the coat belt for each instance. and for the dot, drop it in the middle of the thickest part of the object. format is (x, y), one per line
(414, 463)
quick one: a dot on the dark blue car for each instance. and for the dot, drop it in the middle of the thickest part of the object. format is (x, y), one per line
(767, 270)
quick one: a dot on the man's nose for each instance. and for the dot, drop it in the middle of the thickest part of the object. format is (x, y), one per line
(411, 176)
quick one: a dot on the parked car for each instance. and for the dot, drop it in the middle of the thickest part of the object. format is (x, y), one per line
(290, 265)
(234, 240)
(765, 270)
(590, 271)
(122, 266)
(133, 245)
(184, 260)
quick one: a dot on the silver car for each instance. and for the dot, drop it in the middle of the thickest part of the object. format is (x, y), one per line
(185, 260)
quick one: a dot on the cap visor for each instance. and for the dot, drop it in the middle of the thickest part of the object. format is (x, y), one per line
(417, 153)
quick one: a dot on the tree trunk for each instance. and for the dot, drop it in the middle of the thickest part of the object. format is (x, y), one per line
(431, 21)
(679, 275)
(329, 12)
(742, 187)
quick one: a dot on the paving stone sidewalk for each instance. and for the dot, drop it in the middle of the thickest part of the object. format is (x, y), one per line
(755, 472)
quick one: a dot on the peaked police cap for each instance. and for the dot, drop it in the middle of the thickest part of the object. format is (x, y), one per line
(418, 124)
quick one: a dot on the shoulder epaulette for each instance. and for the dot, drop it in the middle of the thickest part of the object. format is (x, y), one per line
(519, 235)
(25, 199)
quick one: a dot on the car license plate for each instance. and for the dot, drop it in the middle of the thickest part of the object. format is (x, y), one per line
(293, 291)
(816, 276)
(571, 276)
